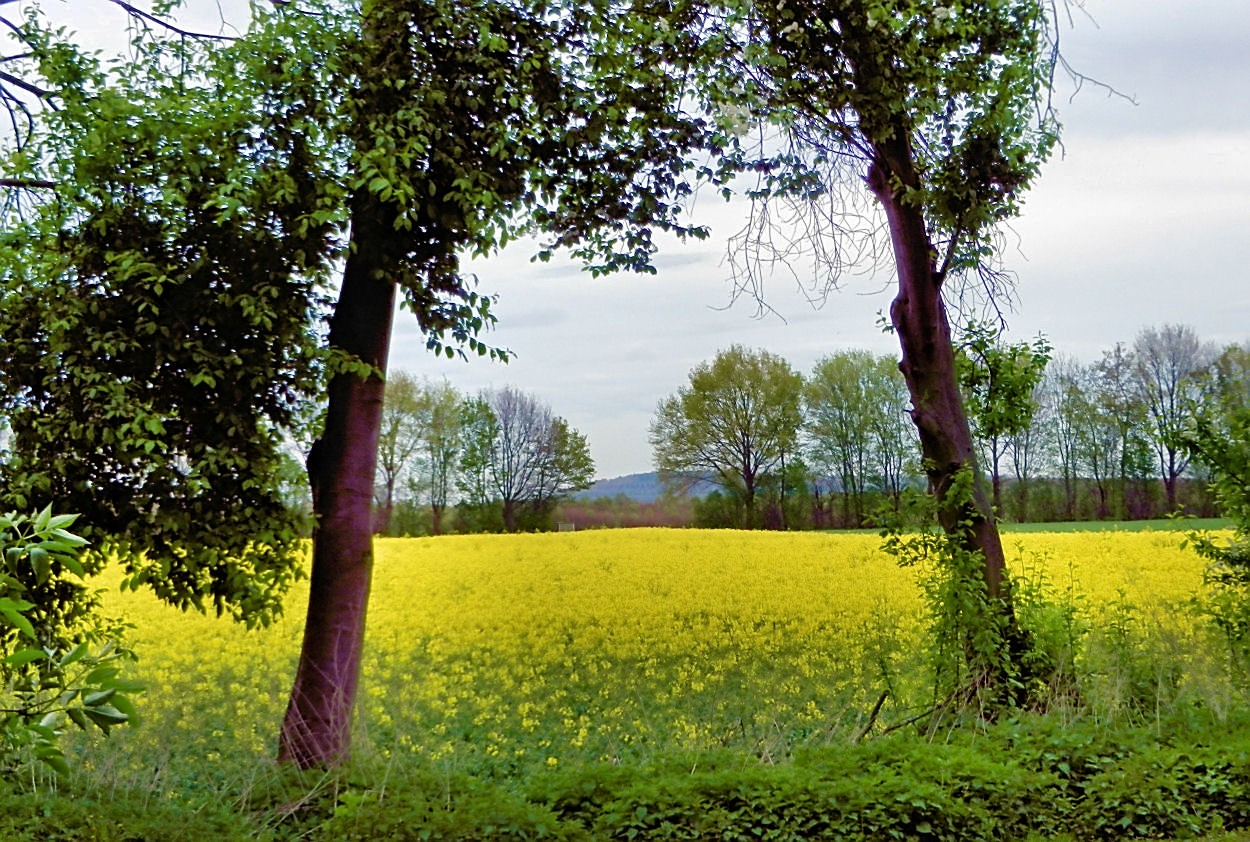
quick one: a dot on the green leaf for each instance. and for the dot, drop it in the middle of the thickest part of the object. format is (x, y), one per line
(126, 706)
(99, 697)
(41, 563)
(54, 759)
(72, 656)
(16, 618)
(66, 537)
(105, 716)
(22, 657)
(59, 522)
(100, 675)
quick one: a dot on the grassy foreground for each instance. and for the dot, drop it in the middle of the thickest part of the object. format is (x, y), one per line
(674, 684)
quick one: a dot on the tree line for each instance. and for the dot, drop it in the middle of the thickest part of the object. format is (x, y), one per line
(1059, 439)
(491, 462)
(835, 448)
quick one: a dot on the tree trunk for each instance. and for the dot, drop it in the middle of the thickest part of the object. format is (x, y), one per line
(996, 478)
(748, 498)
(928, 365)
(383, 524)
(317, 728)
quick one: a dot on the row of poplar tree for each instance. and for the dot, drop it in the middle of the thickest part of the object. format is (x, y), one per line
(1058, 438)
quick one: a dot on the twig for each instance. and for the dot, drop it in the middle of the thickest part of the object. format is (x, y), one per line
(168, 25)
(872, 717)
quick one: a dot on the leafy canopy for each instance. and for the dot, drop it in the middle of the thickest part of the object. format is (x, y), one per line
(166, 305)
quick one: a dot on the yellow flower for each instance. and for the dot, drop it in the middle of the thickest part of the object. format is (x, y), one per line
(608, 644)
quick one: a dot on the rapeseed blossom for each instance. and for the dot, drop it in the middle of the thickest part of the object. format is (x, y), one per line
(495, 654)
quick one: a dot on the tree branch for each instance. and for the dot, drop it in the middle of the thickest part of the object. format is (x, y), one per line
(18, 82)
(30, 183)
(168, 25)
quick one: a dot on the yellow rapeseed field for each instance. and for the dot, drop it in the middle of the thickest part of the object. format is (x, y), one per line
(499, 653)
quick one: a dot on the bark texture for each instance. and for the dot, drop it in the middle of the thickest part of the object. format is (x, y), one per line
(317, 728)
(928, 362)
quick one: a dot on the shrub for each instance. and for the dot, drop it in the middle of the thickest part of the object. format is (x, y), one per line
(56, 661)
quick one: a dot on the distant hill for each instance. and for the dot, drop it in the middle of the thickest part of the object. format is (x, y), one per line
(641, 488)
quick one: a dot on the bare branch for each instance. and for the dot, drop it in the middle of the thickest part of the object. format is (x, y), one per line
(17, 82)
(168, 25)
(818, 239)
(1059, 61)
(29, 183)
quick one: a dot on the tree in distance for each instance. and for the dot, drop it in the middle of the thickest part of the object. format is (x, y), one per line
(517, 453)
(441, 442)
(406, 415)
(1170, 362)
(856, 428)
(733, 425)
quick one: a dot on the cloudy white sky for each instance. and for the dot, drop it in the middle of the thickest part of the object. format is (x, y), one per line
(1143, 218)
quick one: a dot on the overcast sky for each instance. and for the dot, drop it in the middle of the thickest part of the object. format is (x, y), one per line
(1142, 218)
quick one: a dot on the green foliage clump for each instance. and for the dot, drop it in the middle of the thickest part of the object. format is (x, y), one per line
(73, 816)
(1022, 779)
(59, 661)
(981, 660)
(1219, 438)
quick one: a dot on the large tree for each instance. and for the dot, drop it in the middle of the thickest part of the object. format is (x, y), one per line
(942, 108)
(733, 424)
(168, 302)
(160, 312)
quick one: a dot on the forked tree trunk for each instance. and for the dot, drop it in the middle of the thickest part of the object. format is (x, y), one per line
(317, 728)
(1169, 488)
(928, 366)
